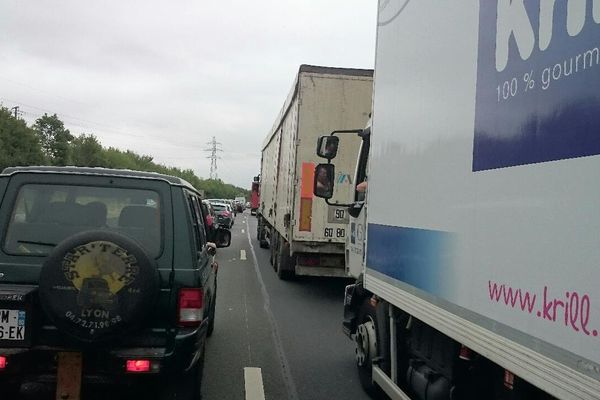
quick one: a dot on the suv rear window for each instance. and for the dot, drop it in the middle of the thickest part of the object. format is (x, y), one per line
(219, 207)
(45, 215)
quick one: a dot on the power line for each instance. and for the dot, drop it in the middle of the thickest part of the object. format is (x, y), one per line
(214, 148)
(74, 120)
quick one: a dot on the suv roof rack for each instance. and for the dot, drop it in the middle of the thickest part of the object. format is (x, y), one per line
(99, 171)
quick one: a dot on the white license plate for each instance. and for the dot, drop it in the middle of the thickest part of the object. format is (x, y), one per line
(12, 324)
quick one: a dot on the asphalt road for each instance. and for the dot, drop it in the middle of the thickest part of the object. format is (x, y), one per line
(287, 333)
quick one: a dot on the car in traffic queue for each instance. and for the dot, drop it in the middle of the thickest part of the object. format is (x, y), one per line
(106, 276)
(225, 216)
(211, 218)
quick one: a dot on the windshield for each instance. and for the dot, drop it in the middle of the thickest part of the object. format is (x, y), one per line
(45, 215)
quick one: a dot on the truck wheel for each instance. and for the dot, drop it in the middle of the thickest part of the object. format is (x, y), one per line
(285, 262)
(97, 285)
(261, 234)
(273, 247)
(371, 343)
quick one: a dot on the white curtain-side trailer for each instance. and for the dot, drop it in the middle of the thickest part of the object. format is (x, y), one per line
(305, 235)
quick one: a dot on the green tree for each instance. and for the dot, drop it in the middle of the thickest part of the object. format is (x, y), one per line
(19, 145)
(55, 139)
(86, 151)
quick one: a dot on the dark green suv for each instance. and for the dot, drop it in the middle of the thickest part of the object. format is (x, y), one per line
(106, 277)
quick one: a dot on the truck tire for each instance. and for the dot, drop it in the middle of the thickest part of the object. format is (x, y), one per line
(261, 234)
(97, 285)
(285, 262)
(273, 248)
(372, 343)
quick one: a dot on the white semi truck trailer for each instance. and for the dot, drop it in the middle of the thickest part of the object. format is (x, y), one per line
(305, 235)
(478, 243)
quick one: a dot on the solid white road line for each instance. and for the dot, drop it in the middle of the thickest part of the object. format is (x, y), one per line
(243, 255)
(254, 384)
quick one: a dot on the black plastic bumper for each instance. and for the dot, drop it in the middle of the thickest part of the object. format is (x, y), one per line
(104, 363)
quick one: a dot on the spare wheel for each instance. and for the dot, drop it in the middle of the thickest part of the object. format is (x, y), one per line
(96, 285)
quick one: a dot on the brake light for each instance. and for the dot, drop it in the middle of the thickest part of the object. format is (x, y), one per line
(138, 366)
(2, 363)
(509, 379)
(465, 353)
(190, 306)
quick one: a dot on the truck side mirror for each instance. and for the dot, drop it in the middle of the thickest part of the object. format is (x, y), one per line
(323, 184)
(327, 146)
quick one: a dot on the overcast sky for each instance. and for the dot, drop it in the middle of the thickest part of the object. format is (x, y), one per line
(162, 78)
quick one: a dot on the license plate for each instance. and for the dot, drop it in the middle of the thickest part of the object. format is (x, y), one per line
(12, 324)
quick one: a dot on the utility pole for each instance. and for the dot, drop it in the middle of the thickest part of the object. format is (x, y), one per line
(213, 149)
(16, 110)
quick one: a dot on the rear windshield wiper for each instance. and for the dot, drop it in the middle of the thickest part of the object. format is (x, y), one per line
(38, 243)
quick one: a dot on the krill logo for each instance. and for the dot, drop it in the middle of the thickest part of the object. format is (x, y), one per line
(514, 21)
(538, 70)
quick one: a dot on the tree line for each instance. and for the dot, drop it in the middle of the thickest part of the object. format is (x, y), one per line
(48, 142)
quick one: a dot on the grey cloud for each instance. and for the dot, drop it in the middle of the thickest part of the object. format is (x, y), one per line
(162, 78)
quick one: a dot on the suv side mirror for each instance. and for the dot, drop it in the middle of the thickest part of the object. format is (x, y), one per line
(222, 237)
(323, 184)
(211, 249)
(327, 146)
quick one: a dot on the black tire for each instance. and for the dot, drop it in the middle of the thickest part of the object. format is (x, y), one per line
(285, 262)
(211, 313)
(80, 293)
(184, 386)
(273, 247)
(261, 234)
(368, 313)
(11, 390)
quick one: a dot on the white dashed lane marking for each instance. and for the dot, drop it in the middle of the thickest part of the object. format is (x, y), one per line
(254, 384)
(242, 255)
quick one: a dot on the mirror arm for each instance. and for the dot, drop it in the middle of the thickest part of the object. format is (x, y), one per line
(337, 204)
(359, 131)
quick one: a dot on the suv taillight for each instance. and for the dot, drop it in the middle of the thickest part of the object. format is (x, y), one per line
(137, 365)
(190, 306)
(2, 363)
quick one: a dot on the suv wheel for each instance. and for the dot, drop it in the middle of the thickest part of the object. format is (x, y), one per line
(186, 386)
(211, 313)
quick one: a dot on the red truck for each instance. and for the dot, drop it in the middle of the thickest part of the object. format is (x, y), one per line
(255, 196)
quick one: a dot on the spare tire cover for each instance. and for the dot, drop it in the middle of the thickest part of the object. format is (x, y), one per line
(97, 284)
